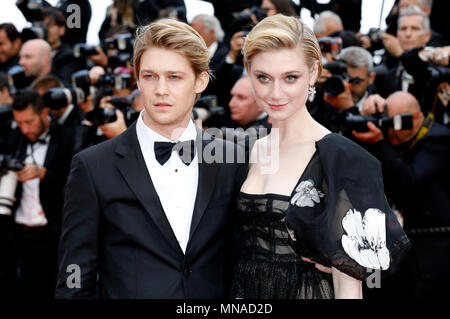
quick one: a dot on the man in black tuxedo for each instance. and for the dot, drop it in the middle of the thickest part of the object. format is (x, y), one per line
(46, 151)
(146, 222)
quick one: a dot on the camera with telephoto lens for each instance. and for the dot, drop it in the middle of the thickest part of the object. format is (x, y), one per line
(57, 98)
(243, 20)
(84, 50)
(32, 9)
(81, 79)
(438, 73)
(6, 114)
(374, 35)
(17, 79)
(124, 104)
(359, 122)
(37, 30)
(207, 110)
(101, 116)
(8, 182)
(331, 45)
(334, 85)
(118, 59)
(120, 42)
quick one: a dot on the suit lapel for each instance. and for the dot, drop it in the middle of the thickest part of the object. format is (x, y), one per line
(52, 145)
(207, 176)
(134, 170)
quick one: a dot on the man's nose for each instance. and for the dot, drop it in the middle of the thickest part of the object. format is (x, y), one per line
(162, 87)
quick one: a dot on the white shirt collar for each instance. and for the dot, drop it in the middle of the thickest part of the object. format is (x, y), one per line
(213, 48)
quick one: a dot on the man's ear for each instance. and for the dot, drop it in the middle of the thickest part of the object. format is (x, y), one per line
(201, 82)
(428, 36)
(62, 31)
(17, 44)
(372, 77)
(45, 111)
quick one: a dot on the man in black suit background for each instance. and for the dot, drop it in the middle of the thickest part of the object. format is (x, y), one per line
(209, 28)
(147, 222)
(46, 150)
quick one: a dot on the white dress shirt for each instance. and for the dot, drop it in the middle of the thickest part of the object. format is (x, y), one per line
(30, 211)
(174, 182)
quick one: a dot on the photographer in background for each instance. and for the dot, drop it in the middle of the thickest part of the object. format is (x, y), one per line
(326, 24)
(244, 110)
(54, 94)
(413, 33)
(10, 43)
(6, 117)
(436, 38)
(32, 10)
(36, 58)
(348, 83)
(210, 30)
(63, 61)
(46, 150)
(416, 177)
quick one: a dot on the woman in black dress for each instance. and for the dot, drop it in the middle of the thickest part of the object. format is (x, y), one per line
(307, 192)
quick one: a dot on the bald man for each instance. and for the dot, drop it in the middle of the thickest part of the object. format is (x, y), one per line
(243, 107)
(416, 175)
(36, 58)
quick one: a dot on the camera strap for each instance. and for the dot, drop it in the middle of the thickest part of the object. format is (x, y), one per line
(424, 129)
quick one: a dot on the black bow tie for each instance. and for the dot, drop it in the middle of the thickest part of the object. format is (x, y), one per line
(38, 141)
(186, 151)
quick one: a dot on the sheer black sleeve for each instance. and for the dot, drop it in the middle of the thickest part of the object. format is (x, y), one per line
(355, 230)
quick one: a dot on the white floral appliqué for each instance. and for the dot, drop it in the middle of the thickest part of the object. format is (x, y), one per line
(306, 194)
(365, 241)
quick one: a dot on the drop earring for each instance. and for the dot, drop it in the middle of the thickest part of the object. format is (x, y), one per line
(311, 91)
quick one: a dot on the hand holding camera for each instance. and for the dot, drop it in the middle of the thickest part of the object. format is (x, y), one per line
(373, 104)
(391, 44)
(114, 128)
(342, 101)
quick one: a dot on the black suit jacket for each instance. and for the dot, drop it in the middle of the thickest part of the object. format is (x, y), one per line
(114, 225)
(57, 162)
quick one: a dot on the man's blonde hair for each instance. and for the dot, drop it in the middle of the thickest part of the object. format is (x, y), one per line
(279, 31)
(173, 35)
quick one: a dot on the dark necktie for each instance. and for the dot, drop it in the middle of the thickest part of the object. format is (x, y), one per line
(186, 151)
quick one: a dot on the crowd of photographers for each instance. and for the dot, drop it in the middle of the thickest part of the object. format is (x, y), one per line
(386, 90)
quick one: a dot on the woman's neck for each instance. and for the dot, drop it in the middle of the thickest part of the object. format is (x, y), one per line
(299, 128)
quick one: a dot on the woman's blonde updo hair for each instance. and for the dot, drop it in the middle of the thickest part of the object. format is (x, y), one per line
(279, 31)
(173, 35)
